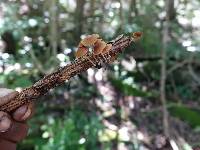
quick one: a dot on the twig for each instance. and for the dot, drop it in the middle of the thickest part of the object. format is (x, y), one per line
(37, 62)
(165, 42)
(191, 71)
(58, 77)
(193, 74)
(168, 106)
(178, 65)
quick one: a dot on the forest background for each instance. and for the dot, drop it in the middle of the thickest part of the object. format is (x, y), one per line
(147, 99)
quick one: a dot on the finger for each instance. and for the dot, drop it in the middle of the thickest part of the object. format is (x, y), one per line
(24, 112)
(4, 91)
(5, 121)
(7, 95)
(8, 145)
(16, 133)
(32, 108)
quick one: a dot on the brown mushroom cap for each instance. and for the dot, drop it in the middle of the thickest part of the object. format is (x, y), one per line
(137, 35)
(99, 46)
(81, 52)
(80, 45)
(107, 48)
(90, 40)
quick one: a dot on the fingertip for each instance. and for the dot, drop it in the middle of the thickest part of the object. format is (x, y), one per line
(20, 112)
(32, 108)
(5, 91)
(7, 95)
(16, 133)
(26, 115)
(5, 122)
(23, 113)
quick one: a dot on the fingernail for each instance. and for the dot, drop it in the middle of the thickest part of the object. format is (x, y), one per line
(27, 114)
(5, 123)
(23, 109)
(20, 112)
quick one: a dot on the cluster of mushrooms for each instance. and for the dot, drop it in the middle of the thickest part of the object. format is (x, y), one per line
(94, 44)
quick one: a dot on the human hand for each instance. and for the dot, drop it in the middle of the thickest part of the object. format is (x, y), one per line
(13, 127)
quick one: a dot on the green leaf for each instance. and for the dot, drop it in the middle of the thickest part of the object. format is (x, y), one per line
(186, 114)
(129, 90)
(22, 82)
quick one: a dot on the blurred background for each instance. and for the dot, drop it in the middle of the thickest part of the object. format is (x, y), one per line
(146, 100)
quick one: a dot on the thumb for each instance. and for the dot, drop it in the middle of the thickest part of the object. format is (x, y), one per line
(6, 95)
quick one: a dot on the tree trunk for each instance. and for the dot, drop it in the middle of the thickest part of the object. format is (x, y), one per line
(132, 9)
(79, 18)
(53, 28)
(165, 42)
(170, 10)
(122, 23)
(92, 9)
